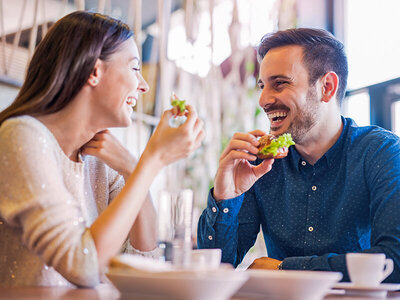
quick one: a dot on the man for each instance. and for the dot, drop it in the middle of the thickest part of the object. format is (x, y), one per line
(337, 191)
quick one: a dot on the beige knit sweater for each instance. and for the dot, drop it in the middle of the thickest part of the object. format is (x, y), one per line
(47, 203)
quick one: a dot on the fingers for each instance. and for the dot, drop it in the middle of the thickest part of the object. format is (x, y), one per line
(99, 140)
(93, 151)
(191, 117)
(197, 134)
(198, 126)
(102, 135)
(167, 114)
(264, 167)
(105, 131)
(190, 113)
(235, 154)
(175, 110)
(94, 144)
(192, 126)
(237, 145)
(246, 144)
(198, 140)
(258, 133)
(248, 137)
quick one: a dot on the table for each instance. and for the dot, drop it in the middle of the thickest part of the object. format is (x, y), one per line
(108, 292)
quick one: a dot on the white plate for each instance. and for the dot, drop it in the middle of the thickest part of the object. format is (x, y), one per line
(192, 285)
(376, 291)
(288, 284)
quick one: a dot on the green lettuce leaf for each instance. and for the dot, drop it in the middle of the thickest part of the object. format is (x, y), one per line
(181, 104)
(285, 140)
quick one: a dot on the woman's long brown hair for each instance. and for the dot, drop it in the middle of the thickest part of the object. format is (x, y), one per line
(64, 60)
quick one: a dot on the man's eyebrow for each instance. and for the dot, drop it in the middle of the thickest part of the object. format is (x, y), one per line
(272, 78)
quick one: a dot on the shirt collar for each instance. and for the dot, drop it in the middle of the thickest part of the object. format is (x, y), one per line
(332, 155)
(294, 158)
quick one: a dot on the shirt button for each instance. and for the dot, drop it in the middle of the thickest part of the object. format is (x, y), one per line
(214, 209)
(210, 237)
(303, 163)
(314, 188)
(225, 210)
(310, 229)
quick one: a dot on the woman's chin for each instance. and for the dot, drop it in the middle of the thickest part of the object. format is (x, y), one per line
(126, 119)
(126, 123)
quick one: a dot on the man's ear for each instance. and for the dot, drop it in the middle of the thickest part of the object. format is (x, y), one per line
(95, 76)
(329, 86)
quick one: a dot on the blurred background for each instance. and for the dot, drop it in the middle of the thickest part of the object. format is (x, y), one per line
(204, 51)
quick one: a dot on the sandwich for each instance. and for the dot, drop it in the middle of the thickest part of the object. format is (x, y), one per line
(179, 104)
(274, 147)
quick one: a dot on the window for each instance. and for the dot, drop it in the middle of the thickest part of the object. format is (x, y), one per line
(372, 41)
(357, 107)
(396, 117)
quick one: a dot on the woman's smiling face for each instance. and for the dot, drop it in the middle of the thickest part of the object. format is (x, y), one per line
(120, 85)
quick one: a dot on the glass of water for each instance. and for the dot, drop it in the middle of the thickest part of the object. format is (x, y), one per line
(175, 226)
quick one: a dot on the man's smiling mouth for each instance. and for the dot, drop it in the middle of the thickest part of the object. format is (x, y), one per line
(277, 117)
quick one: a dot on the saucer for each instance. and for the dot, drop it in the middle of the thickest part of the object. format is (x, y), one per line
(359, 290)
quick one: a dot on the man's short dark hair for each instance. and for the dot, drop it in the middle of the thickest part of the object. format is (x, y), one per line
(322, 52)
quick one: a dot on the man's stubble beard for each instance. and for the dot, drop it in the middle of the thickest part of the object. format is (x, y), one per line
(305, 119)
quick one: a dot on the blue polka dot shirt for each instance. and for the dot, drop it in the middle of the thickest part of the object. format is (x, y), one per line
(311, 215)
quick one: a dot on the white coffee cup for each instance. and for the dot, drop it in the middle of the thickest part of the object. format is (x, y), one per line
(368, 269)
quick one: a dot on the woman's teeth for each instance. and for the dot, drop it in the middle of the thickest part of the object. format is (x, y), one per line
(131, 101)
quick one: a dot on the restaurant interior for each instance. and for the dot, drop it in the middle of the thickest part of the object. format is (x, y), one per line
(204, 51)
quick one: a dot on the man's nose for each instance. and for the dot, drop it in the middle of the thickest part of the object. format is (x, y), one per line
(266, 98)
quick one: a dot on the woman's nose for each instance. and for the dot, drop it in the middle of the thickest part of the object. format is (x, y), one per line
(143, 86)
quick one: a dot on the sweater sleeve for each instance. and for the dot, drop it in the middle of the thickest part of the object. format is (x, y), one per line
(116, 184)
(34, 197)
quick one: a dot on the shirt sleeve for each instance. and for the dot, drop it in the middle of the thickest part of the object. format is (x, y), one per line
(382, 173)
(231, 225)
(34, 197)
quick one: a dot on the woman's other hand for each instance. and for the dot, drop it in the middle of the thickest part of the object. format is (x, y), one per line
(168, 144)
(108, 148)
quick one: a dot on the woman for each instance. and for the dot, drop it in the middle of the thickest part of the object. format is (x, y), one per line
(60, 166)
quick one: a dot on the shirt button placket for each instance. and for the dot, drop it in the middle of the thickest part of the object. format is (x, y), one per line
(312, 195)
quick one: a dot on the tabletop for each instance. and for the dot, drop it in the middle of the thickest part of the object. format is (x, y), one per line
(106, 291)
